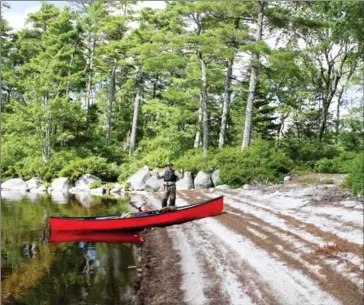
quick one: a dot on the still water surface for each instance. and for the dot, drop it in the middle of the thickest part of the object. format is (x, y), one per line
(36, 272)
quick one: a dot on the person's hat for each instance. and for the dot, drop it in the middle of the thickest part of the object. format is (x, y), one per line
(169, 164)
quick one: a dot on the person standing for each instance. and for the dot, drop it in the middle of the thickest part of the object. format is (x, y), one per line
(170, 178)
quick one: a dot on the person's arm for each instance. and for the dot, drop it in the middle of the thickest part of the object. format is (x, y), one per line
(160, 177)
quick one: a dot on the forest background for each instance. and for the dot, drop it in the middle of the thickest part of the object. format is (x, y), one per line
(257, 89)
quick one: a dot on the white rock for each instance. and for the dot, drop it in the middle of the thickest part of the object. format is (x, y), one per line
(16, 184)
(60, 197)
(61, 184)
(12, 196)
(287, 178)
(33, 183)
(154, 184)
(85, 181)
(41, 189)
(223, 187)
(202, 181)
(138, 180)
(246, 187)
(216, 177)
(117, 188)
(186, 183)
(97, 191)
(84, 198)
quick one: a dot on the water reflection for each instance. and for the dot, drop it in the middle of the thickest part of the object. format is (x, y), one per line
(88, 269)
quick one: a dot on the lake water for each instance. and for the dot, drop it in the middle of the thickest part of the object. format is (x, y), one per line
(35, 271)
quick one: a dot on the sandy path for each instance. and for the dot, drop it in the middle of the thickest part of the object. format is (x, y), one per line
(255, 254)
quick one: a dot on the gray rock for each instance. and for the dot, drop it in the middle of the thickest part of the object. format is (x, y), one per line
(12, 196)
(246, 187)
(33, 196)
(97, 191)
(202, 181)
(40, 189)
(287, 178)
(138, 180)
(33, 183)
(85, 181)
(216, 177)
(61, 184)
(16, 184)
(154, 184)
(84, 198)
(117, 188)
(186, 183)
(60, 197)
(223, 187)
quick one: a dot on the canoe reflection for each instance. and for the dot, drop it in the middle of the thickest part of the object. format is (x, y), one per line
(95, 236)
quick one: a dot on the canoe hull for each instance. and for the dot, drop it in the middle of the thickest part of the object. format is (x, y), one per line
(182, 214)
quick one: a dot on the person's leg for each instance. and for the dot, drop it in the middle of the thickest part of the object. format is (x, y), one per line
(165, 197)
(172, 200)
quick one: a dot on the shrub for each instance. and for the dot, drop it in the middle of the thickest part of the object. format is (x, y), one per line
(93, 165)
(341, 164)
(127, 169)
(260, 162)
(95, 184)
(355, 180)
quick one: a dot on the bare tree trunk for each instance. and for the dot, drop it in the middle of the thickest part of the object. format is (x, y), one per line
(205, 126)
(198, 132)
(111, 99)
(338, 106)
(138, 96)
(227, 101)
(92, 46)
(253, 76)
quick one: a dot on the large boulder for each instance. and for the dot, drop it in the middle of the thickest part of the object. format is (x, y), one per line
(61, 184)
(33, 183)
(12, 196)
(97, 191)
(186, 183)
(16, 184)
(216, 177)
(40, 189)
(154, 184)
(138, 180)
(60, 197)
(202, 181)
(85, 181)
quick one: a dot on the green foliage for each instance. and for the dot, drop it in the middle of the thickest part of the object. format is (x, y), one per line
(95, 184)
(355, 179)
(260, 162)
(93, 165)
(341, 164)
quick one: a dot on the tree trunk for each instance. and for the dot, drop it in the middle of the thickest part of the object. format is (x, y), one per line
(138, 95)
(111, 99)
(92, 46)
(198, 132)
(339, 103)
(253, 76)
(227, 101)
(205, 126)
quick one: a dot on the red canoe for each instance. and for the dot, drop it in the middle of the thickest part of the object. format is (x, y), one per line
(203, 209)
(95, 236)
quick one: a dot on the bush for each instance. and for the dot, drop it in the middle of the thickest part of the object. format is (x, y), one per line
(95, 184)
(94, 165)
(355, 180)
(341, 164)
(194, 161)
(260, 162)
